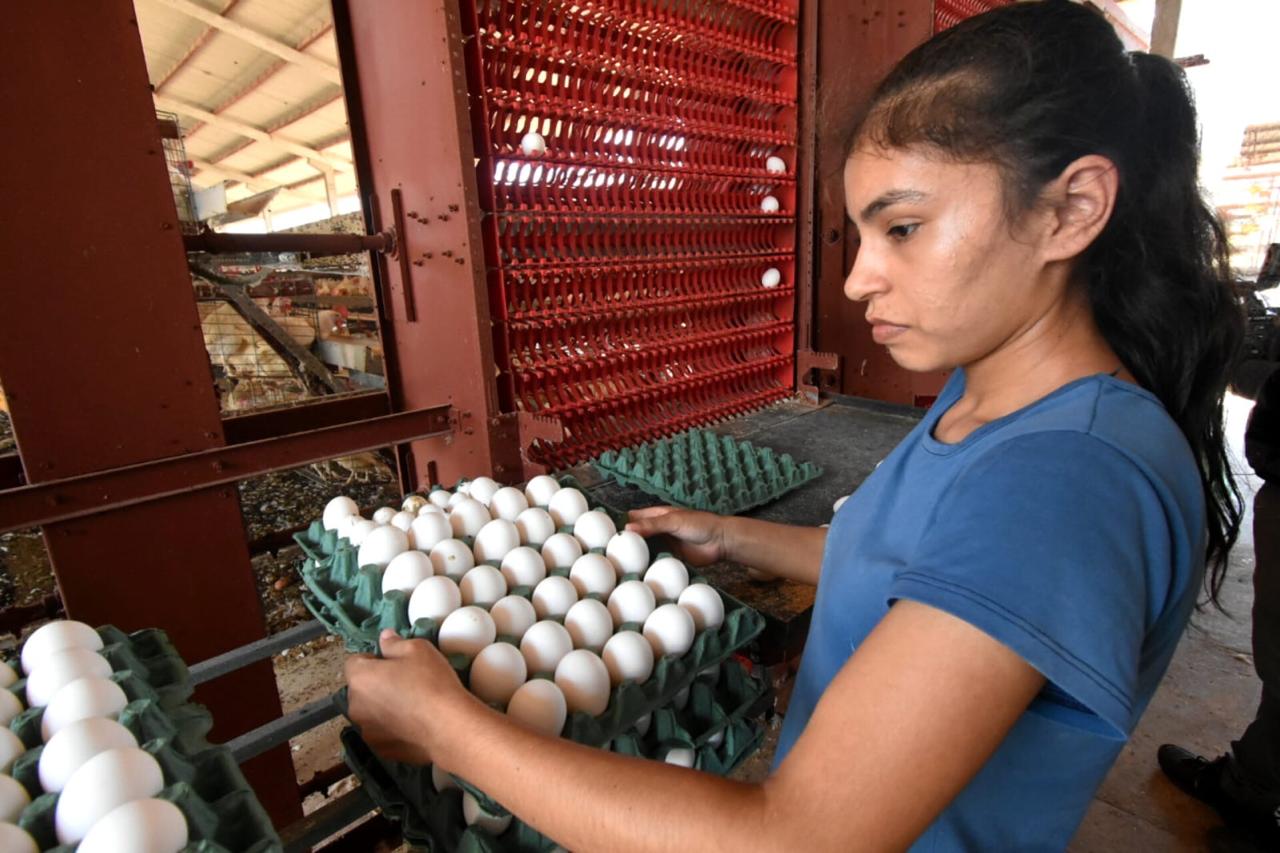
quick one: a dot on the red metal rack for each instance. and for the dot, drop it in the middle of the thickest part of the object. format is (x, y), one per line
(626, 260)
(948, 13)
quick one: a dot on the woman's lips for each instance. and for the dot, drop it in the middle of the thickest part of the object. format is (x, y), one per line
(883, 333)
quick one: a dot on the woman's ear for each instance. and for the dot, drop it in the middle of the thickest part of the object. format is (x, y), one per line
(1081, 200)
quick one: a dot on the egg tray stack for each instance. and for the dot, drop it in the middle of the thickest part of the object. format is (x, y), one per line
(719, 723)
(700, 469)
(348, 599)
(222, 812)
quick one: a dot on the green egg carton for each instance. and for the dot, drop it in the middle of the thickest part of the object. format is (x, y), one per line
(434, 820)
(700, 469)
(222, 812)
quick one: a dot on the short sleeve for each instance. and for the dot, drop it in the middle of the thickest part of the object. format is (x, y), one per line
(1049, 543)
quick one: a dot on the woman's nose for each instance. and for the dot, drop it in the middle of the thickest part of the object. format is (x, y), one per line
(866, 279)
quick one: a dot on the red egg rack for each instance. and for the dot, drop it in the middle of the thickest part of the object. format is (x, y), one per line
(948, 13)
(626, 260)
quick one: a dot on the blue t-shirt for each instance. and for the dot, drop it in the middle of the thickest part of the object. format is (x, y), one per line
(1072, 531)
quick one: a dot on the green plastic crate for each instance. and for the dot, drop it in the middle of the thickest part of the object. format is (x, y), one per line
(700, 469)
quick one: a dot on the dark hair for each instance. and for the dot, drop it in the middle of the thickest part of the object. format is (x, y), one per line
(1032, 87)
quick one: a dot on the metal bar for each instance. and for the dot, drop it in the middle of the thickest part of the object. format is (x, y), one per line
(325, 821)
(215, 667)
(327, 412)
(257, 741)
(94, 493)
(806, 170)
(402, 257)
(317, 244)
(277, 337)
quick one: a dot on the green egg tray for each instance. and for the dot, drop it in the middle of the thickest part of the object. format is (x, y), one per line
(726, 707)
(222, 812)
(700, 469)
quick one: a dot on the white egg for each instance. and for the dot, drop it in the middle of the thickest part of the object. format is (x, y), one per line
(60, 669)
(414, 504)
(463, 488)
(669, 629)
(483, 489)
(593, 574)
(642, 724)
(56, 636)
(532, 144)
(835, 507)
(440, 498)
(456, 498)
(10, 706)
(16, 840)
(667, 577)
(336, 510)
(594, 529)
(432, 509)
(406, 571)
(467, 517)
(769, 204)
(681, 756)
(775, 165)
(383, 514)
(382, 546)
(109, 779)
(628, 657)
(629, 552)
(346, 525)
(452, 557)
(705, 606)
(523, 566)
(535, 526)
(771, 278)
(13, 799)
(483, 586)
(565, 507)
(403, 520)
(466, 631)
(544, 645)
(539, 490)
(540, 705)
(441, 780)
(80, 700)
(507, 503)
(142, 826)
(497, 672)
(553, 597)
(632, 601)
(495, 540)
(561, 551)
(476, 816)
(360, 530)
(75, 744)
(584, 681)
(512, 616)
(589, 625)
(434, 598)
(11, 748)
(7, 675)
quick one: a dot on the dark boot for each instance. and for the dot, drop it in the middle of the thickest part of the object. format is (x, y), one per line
(1217, 785)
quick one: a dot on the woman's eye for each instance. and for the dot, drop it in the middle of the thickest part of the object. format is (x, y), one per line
(902, 232)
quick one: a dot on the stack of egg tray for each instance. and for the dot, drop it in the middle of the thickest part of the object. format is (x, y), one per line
(223, 814)
(702, 470)
(719, 723)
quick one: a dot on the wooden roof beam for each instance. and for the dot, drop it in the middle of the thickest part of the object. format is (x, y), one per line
(259, 40)
(311, 155)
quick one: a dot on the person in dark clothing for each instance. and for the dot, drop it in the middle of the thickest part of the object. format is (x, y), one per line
(1244, 784)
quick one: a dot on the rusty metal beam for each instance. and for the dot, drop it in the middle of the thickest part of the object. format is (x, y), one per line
(320, 244)
(116, 488)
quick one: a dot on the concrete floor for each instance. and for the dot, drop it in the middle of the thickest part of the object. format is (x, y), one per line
(1207, 698)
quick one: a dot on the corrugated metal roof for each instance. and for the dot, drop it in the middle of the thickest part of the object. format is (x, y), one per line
(229, 70)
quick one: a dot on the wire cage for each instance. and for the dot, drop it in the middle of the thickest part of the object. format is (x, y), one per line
(179, 169)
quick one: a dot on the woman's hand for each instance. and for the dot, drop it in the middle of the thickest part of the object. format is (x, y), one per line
(699, 536)
(405, 700)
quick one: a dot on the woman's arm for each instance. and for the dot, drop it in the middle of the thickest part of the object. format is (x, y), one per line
(781, 550)
(907, 722)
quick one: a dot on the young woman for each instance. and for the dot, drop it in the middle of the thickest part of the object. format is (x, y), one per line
(997, 602)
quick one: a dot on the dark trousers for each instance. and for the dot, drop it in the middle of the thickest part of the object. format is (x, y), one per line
(1254, 773)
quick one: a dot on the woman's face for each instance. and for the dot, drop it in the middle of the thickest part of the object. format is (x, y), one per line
(945, 280)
